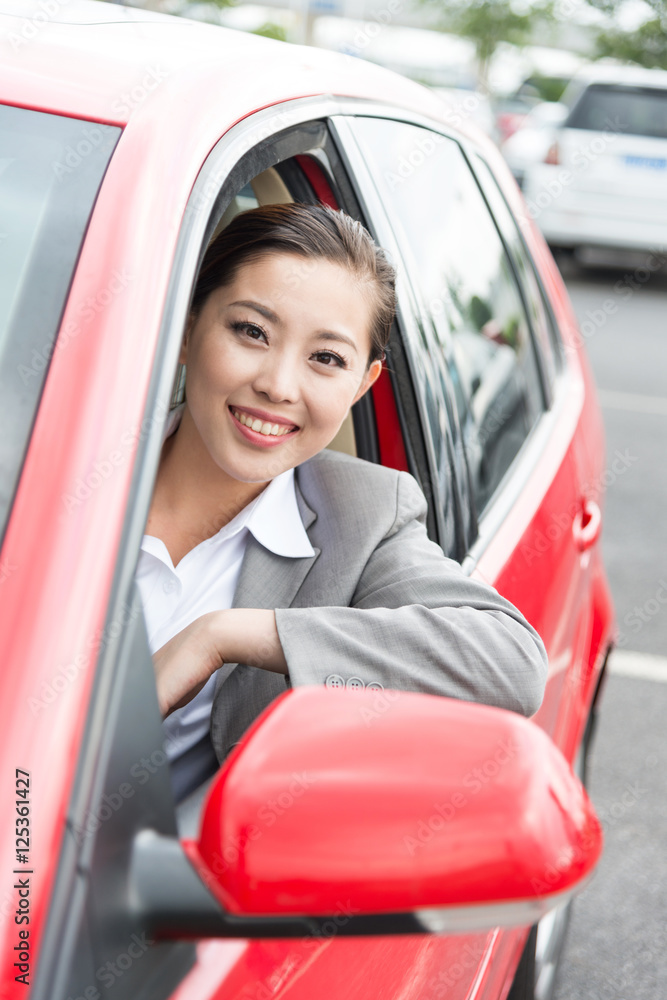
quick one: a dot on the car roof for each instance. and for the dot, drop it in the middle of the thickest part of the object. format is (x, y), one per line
(619, 73)
(91, 60)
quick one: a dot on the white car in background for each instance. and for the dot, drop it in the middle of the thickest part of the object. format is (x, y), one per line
(603, 181)
(534, 138)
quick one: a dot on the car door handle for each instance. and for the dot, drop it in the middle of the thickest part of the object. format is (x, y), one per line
(587, 525)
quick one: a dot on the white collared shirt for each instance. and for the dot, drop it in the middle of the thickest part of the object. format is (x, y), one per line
(205, 580)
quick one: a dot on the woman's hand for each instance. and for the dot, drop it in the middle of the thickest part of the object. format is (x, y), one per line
(238, 635)
(185, 663)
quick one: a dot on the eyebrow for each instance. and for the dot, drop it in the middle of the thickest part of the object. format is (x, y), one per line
(263, 310)
(274, 318)
(339, 337)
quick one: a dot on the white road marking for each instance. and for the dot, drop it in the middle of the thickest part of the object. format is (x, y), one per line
(643, 666)
(633, 401)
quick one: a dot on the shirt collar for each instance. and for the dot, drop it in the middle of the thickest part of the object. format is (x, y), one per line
(276, 520)
(274, 517)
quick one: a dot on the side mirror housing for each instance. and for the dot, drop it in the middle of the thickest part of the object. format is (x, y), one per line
(463, 815)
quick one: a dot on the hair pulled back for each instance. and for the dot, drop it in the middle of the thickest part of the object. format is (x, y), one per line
(311, 232)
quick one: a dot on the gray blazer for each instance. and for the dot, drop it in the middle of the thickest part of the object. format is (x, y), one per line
(378, 601)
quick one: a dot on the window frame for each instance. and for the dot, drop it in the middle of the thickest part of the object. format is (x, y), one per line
(69, 927)
(467, 153)
(484, 179)
(410, 366)
(566, 391)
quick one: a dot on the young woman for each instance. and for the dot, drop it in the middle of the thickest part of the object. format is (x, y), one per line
(269, 561)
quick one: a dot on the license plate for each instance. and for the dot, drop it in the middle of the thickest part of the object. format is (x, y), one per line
(647, 162)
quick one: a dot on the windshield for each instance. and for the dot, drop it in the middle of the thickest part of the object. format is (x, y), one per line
(632, 110)
(50, 171)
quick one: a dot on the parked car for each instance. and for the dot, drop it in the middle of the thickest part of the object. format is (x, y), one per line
(602, 182)
(536, 135)
(439, 855)
(511, 112)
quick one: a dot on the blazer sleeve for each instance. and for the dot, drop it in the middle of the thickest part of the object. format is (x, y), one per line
(418, 623)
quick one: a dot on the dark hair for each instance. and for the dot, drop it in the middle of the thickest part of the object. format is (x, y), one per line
(309, 231)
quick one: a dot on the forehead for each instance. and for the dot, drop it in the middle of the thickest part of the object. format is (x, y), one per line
(294, 269)
(284, 281)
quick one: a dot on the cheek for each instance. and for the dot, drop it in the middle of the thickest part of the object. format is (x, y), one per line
(223, 366)
(328, 405)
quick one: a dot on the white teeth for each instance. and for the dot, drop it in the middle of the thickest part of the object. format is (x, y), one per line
(266, 428)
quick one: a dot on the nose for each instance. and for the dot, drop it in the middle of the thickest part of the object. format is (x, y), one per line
(277, 377)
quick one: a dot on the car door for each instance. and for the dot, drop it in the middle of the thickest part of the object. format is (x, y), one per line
(93, 942)
(520, 405)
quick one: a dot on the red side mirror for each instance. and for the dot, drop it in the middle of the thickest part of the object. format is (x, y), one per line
(395, 802)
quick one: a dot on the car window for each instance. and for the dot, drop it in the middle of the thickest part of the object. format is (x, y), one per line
(50, 170)
(543, 323)
(633, 110)
(480, 332)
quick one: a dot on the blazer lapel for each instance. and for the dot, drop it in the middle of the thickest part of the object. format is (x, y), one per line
(267, 580)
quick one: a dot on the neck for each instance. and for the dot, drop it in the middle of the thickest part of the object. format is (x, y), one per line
(193, 497)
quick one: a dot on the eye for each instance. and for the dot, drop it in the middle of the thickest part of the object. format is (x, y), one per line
(330, 359)
(251, 330)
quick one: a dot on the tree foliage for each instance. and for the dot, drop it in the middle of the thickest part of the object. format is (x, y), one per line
(646, 45)
(489, 22)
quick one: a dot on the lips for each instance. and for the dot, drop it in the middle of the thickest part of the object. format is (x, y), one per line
(262, 422)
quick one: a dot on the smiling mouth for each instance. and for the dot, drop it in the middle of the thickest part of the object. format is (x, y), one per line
(264, 427)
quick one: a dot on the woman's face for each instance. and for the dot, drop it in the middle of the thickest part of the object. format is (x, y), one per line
(274, 361)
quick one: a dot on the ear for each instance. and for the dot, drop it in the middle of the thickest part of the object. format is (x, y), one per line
(182, 357)
(370, 377)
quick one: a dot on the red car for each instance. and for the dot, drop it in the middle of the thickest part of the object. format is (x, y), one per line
(437, 857)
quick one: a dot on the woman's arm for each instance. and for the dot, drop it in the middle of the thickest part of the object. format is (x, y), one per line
(237, 635)
(418, 623)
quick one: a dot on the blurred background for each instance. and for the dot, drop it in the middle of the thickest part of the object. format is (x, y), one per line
(574, 93)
